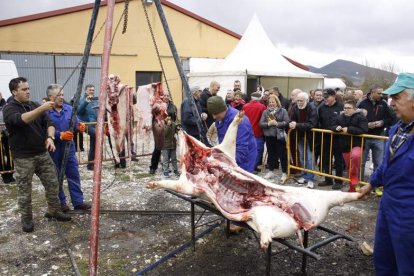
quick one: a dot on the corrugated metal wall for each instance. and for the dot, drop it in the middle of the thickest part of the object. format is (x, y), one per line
(43, 69)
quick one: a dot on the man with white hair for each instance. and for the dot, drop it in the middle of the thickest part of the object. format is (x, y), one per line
(394, 239)
(303, 119)
(358, 94)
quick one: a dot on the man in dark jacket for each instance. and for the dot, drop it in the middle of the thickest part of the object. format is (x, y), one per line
(379, 117)
(326, 113)
(205, 95)
(188, 120)
(303, 119)
(32, 135)
(283, 101)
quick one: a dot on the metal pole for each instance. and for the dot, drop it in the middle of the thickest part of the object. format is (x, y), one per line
(183, 77)
(93, 252)
(85, 59)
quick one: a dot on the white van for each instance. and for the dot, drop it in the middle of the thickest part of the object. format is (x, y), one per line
(8, 71)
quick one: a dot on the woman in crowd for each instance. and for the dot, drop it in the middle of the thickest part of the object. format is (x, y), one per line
(238, 101)
(274, 120)
(351, 121)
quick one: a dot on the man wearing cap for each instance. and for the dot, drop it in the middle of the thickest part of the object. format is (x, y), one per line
(188, 119)
(394, 238)
(254, 110)
(379, 117)
(245, 143)
(326, 113)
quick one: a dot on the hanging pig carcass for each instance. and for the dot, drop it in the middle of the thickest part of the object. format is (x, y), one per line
(272, 210)
(118, 112)
(149, 115)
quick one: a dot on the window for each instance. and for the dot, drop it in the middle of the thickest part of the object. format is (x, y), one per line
(145, 77)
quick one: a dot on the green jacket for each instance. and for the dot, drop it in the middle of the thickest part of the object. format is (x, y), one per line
(169, 139)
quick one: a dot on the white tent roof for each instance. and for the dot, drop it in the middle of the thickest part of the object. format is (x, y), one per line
(256, 55)
(334, 83)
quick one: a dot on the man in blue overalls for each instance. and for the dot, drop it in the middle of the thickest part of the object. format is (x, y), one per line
(61, 116)
(394, 233)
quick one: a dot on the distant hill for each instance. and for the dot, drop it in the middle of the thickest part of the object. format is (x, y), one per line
(352, 71)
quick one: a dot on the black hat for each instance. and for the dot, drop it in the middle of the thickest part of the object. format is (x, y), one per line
(328, 92)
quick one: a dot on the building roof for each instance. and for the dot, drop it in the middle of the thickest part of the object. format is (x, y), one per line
(166, 3)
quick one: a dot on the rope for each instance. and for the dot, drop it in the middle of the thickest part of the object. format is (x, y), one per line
(156, 48)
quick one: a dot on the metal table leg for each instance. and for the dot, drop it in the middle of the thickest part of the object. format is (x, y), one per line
(304, 256)
(193, 225)
(268, 258)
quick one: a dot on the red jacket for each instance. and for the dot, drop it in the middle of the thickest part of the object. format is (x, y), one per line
(253, 111)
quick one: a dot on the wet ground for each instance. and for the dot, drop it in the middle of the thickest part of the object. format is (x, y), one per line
(130, 242)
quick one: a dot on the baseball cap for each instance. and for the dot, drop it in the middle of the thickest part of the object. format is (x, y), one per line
(403, 81)
(328, 92)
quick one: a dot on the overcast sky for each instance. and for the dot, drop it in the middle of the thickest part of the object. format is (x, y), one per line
(374, 32)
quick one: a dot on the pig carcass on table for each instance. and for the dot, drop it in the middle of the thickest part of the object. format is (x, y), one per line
(118, 107)
(272, 210)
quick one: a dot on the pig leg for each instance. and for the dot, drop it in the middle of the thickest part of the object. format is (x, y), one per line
(175, 185)
(228, 145)
(269, 222)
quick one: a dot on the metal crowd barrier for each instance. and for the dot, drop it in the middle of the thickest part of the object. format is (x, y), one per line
(323, 133)
(107, 147)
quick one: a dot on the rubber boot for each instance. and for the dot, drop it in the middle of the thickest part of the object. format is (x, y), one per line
(27, 225)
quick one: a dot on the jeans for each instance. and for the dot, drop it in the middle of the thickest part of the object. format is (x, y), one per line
(327, 162)
(167, 155)
(377, 148)
(308, 163)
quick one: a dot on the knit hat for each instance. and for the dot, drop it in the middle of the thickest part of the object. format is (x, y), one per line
(256, 96)
(216, 104)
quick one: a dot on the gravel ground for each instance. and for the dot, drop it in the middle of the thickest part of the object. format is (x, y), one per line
(129, 242)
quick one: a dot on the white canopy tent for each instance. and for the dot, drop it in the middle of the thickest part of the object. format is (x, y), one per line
(334, 83)
(254, 60)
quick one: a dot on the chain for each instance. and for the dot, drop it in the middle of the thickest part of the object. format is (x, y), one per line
(79, 63)
(156, 48)
(124, 29)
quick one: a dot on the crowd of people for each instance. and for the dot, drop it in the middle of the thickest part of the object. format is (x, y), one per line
(271, 116)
